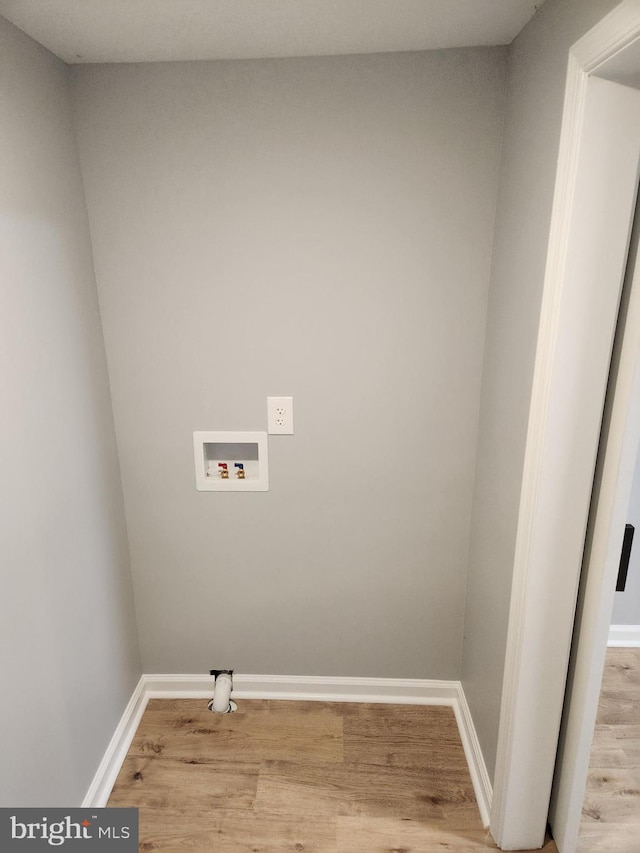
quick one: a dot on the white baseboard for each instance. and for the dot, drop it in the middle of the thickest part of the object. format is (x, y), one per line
(475, 759)
(112, 761)
(313, 688)
(624, 636)
(303, 688)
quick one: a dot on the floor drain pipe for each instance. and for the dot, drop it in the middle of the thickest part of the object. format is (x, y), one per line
(222, 687)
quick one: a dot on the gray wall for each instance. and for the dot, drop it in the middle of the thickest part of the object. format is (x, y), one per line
(320, 228)
(536, 79)
(68, 649)
(626, 605)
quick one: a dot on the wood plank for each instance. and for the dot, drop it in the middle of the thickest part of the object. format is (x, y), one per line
(302, 789)
(175, 830)
(252, 734)
(393, 835)
(611, 809)
(613, 796)
(403, 736)
(413, 793)
(384, 834)
(416, 794)
(599, 838)
(608, 755)
(167, 782)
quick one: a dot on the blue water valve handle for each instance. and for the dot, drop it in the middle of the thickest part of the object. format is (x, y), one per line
(240, 467)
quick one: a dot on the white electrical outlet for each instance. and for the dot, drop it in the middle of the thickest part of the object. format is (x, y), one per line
(280, 415)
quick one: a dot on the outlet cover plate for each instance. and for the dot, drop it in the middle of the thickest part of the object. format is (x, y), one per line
(280, 415)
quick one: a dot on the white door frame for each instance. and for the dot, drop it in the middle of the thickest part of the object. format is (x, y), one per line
(609, 508)
(569, 387)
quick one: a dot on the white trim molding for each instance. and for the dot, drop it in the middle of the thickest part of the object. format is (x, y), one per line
(312, 688)
(560, 409)
(397, 691)
(624, 636)
(475, 759)
(116, 752)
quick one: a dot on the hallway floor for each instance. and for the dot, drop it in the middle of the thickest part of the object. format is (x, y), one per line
(611, 810)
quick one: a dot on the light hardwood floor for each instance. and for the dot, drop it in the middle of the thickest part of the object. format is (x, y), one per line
(301, 776)
(611, 811)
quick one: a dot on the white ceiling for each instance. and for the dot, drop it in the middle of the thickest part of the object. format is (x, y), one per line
(169, 30)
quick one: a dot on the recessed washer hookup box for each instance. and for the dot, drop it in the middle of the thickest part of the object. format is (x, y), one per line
(231, 461)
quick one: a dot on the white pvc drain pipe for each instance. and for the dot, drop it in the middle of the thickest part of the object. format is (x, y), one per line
(222, 687)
